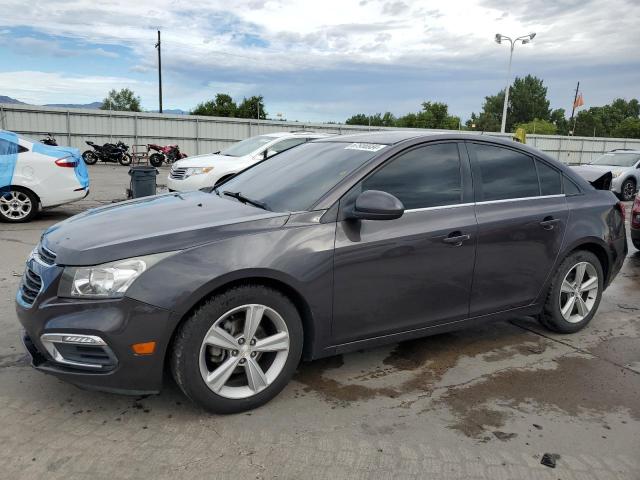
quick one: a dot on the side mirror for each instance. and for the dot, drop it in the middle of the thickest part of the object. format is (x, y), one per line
(376, 205)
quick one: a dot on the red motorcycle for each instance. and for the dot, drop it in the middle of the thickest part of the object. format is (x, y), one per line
(168, 153)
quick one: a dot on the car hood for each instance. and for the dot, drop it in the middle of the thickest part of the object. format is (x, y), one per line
(210, 161)
(161, 223)
(599, 176)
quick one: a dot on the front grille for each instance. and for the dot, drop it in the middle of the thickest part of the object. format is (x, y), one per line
(178, 173)
(46, 255)
(30, 286)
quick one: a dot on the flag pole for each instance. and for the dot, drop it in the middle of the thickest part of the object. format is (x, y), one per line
(573, 110)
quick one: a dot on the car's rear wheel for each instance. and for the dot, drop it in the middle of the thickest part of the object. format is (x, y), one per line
(574, 294)
(238, 350)
(628, 190)
(18, 205)
(89, 157)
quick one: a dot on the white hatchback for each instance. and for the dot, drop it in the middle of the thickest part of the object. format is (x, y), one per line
(35, 176)
(209, 170)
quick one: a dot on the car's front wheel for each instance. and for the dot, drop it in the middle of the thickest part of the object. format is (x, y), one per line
(574, 294)
(238, 350)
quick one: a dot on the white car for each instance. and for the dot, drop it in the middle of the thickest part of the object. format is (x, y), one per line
(34, 176)
(624, 165)
(203, 171)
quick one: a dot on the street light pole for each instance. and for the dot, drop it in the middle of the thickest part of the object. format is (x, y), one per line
(512, 44)
(158, 46)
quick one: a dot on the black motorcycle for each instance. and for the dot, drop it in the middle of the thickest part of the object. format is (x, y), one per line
(109, 152)
(49, 140)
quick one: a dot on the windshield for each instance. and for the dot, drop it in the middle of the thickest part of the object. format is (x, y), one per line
(245, 147)
(617, 159)
(296, 179)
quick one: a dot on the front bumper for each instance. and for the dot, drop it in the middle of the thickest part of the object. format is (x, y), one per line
(120, 323)
(194, 182)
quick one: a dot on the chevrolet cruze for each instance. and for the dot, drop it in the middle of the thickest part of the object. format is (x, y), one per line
(336, 245)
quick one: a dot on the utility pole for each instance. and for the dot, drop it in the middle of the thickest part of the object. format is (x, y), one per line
(572, 123)
(159, 72)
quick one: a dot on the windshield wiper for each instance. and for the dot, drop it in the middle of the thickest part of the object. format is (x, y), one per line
(238, 196)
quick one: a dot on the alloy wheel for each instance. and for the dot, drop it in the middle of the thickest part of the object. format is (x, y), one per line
(15, 205)
(628, 189)
(244, 351)
(579, 292)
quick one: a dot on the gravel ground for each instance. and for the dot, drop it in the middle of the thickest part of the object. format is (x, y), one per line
(481, 403)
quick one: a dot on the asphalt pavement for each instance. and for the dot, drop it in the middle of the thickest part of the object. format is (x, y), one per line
(481, 403)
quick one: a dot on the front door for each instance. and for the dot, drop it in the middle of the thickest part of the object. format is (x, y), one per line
(522, 216)
(397, 275)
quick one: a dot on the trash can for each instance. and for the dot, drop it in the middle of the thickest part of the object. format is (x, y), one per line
(143, 181)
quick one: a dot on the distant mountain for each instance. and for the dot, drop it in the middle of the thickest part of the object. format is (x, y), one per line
(5, 99)
(92, 105)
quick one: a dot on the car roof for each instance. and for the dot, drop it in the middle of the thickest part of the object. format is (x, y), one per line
(300, 133)
(387, 137)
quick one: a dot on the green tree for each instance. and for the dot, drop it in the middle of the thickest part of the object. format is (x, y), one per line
(488, 120)
(628, 128)
(252, 107)
(358, 119)
(527, 101)
(436, 115)
(537, 126)
(608, 120)
(124, 100)
(559, 119)
(222, 106)
(376, 120)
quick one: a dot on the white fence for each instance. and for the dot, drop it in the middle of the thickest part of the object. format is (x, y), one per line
(197, 134)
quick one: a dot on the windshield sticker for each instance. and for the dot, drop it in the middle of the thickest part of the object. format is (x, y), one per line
(367, 147)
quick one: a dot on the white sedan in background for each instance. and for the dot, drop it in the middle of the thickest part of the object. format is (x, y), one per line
(624, 166)
(34, 176)
(203, 171)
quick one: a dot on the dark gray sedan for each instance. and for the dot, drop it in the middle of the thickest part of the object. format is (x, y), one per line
(336, 245)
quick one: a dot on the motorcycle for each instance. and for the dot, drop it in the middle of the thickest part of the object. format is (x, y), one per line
(168, 153)
(49, 140)
(109, 152)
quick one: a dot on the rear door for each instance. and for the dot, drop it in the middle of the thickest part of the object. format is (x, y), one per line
(415, 271)
(522, 216)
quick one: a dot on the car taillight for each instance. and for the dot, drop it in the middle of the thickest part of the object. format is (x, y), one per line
(68, 162)
(635, 213)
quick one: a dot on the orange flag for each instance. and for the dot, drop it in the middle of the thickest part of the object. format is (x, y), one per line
(579, 101)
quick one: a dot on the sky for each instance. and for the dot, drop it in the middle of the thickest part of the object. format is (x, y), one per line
(317, 60)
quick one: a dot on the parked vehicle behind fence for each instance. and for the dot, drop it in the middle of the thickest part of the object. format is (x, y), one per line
(34, 176)
(624, 166)
(109, 152)
(204, 171)
(332, 246)
(168, 154)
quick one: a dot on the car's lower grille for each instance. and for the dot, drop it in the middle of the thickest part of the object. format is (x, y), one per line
(30, 286)
(86, 354)
(46, 255)
(178, 173)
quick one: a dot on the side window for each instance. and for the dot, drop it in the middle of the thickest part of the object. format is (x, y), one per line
(427, 176)
(506, 173)
(570, 188)
(286, 144)
(550, 179)
(9, 148)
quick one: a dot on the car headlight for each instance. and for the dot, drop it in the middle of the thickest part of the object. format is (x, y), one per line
(197, 171)
(616, 173)
(109, 280)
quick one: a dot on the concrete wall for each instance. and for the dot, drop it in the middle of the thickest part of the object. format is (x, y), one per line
(196, 134)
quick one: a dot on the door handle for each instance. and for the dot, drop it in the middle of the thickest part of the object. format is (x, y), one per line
(456, 238)
(549, 222)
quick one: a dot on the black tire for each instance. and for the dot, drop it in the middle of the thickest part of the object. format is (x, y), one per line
(6, 214)
(551, 316)
(90, 157)
(125, 160)
(156, 159)
(185, 353)
(628, 190)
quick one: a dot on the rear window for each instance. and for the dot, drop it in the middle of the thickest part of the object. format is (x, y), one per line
(550, 179)
(506, 173)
